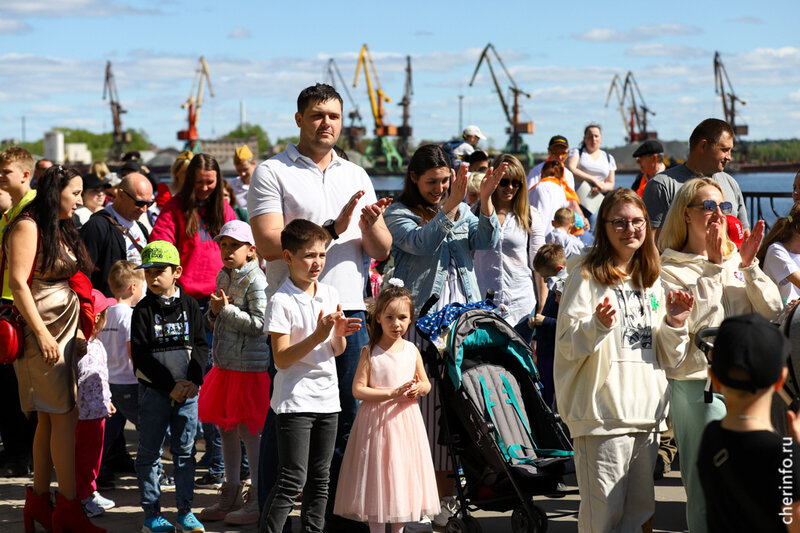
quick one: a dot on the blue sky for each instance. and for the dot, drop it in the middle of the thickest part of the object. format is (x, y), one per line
(53, 55)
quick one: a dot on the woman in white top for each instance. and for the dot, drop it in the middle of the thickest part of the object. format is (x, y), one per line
(593, 169)
(508, 267)
(780, 255)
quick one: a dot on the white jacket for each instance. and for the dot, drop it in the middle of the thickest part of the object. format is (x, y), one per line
(611, 381)
(719, 291)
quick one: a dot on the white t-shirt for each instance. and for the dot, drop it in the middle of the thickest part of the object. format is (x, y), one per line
(310, 385)
(535, 175)
(131, 252)
(240, 190)
(780, 263)
(293, 185)
(547, 197)
(572, 245)
(598, 168)
(115, 337)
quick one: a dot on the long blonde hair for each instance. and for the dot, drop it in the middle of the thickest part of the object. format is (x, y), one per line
(675, 232)
(519, 205)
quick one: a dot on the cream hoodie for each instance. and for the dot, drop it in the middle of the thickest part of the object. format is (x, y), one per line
(719, 291)
(610, 381)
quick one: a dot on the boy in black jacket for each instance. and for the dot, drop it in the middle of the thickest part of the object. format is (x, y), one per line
(169, 350)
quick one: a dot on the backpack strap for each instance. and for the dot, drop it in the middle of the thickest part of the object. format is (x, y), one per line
(114, 222)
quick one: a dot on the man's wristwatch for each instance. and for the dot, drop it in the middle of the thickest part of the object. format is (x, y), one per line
(330, 227)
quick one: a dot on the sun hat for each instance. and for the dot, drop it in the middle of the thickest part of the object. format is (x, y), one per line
(237, 230)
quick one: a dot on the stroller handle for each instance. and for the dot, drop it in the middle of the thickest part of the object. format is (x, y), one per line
(429, 303)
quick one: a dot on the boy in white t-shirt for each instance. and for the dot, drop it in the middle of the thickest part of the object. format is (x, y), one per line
(307, 329)
(127, 285)
(563, 222)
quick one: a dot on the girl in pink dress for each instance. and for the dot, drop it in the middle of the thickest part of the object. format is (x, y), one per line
(387, 473)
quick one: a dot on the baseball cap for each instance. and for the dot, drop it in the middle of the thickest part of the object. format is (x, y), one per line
(474, 130)
(101, 302)
(751, 346)
(237, 230)
(557, 140)
(735, 230)
(160, 253)
(650, 146)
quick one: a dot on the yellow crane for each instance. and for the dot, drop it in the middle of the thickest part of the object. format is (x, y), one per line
(380, 147)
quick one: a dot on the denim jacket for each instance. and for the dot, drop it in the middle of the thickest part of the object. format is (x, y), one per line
(422, 252)
(239, 340)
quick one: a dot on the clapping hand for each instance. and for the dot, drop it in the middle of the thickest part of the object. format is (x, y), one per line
(679, 305)
(371, 213)
(342, 221)
(714, 239)
(458, 189)
(344, 326)
(606, 313)
(751, 244)
(218, 302)
(325, 323)
(412, 393)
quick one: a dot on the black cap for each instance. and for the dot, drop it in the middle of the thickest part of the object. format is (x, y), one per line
(93, 181)
(752, 347)
(131, 166)
(650, 146)
(559, 140)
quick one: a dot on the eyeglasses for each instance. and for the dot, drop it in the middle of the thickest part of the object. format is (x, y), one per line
(621, 224)
(711, 205)
(505, 182)
(139, 203)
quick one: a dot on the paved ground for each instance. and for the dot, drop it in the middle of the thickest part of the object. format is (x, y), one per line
(127, 516)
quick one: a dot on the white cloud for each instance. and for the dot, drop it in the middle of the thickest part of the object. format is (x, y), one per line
(665, 50)
(639, 33)
(71, 8)
(795, 96)
(239, 33)
(8, 26)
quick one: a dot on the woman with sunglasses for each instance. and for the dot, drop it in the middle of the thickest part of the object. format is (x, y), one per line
(698, 257)
(190, 220)
(615, 334)
(508, 267)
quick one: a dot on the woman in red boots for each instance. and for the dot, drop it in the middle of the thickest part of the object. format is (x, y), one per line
(56, 305)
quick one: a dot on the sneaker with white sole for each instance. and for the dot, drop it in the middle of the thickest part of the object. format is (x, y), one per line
(156, 523)
(102, 501)
(188, 523)
(449, 507)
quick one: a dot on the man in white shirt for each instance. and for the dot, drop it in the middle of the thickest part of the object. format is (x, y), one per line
(310, 181)
(557, 150)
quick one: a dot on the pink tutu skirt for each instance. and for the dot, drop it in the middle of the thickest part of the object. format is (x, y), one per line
(229, 398)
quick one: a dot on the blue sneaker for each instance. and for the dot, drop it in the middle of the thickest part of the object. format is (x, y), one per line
(188, 523)
(156, 523)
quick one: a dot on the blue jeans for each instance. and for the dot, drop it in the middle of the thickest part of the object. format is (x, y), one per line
(157, 412)
(305, 449)
(126, 400)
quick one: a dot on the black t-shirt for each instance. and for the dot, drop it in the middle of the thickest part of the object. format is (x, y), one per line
(765, 469)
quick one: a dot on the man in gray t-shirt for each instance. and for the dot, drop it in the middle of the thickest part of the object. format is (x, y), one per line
(710, 148)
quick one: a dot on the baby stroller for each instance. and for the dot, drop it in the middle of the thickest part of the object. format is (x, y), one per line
(505, 444)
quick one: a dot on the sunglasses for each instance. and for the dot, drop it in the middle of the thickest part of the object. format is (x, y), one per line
(621, 224)
(139, 203)
(711, 205)
(505, 182)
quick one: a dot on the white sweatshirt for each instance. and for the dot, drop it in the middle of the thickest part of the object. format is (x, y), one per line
(719, 291)
(611, 381)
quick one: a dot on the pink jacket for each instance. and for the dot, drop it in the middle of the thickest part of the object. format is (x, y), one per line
(200, 255)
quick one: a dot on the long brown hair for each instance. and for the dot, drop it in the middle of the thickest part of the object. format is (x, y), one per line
(599, 262)
(214, 216)
(391, 292)
(781, 231)
(424, 159)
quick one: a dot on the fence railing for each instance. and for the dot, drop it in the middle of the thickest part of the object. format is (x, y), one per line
(758, 202)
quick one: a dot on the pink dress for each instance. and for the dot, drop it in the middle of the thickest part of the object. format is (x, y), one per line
(387, 472)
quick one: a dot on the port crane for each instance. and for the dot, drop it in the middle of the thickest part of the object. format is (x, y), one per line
(634, 117)
(118, 137)
(381, 147)
(404, 131)
(515, 126)
(356, 129)
(193, 104)
(723, 87)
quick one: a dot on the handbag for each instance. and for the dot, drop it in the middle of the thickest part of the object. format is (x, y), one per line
(11, 322)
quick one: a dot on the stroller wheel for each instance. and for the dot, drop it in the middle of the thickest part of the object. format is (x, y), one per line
(525, 521)
(468, 524)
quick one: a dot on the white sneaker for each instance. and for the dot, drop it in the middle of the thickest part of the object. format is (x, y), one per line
(102, 501)
(449, 505)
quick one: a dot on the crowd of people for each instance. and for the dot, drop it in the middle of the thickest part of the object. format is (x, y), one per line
(235, 311)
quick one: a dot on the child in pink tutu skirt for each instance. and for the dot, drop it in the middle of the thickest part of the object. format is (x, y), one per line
(387, 472)
(234, 393)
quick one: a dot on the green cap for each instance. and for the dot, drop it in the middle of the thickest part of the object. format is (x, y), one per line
(160, 253)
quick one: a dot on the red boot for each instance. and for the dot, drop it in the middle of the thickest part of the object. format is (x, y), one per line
(37, 508)
(68, 517)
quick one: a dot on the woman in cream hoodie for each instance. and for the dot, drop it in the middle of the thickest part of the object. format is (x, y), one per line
(611, 389)
(698, 257)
